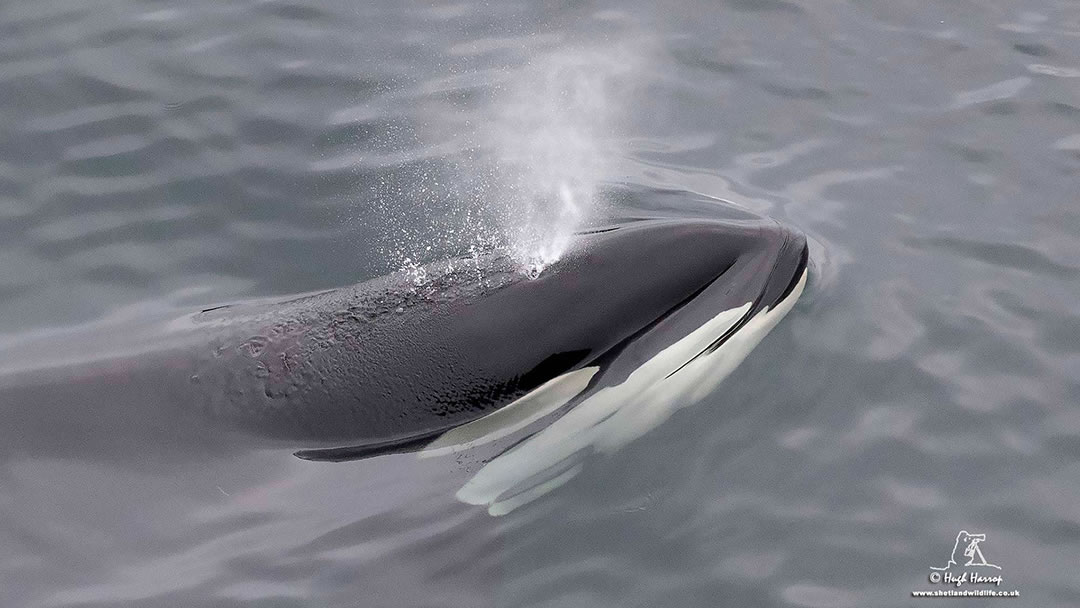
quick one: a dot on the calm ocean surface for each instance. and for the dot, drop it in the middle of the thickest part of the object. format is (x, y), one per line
(161, 155)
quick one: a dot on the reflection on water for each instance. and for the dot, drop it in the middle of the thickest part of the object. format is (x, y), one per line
(163, 155)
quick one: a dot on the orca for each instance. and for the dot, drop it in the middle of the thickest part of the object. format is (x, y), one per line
(475, 352)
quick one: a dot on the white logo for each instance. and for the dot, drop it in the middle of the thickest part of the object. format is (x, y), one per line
(966, 552)
(966, 574)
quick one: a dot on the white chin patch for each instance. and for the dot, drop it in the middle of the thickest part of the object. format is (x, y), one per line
(607, 419)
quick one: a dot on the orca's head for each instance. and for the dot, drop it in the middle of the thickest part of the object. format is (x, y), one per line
(657, 313)
(650, 282)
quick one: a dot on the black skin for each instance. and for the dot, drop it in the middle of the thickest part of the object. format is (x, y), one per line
(387, 365)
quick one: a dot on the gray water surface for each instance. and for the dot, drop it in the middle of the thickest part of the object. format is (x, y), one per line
(169, 155)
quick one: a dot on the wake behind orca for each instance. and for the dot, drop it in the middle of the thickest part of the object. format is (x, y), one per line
(476, 353)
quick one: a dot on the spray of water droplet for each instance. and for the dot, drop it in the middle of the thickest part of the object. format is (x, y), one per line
(524, 170)
(415, 271)
(552, 131)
